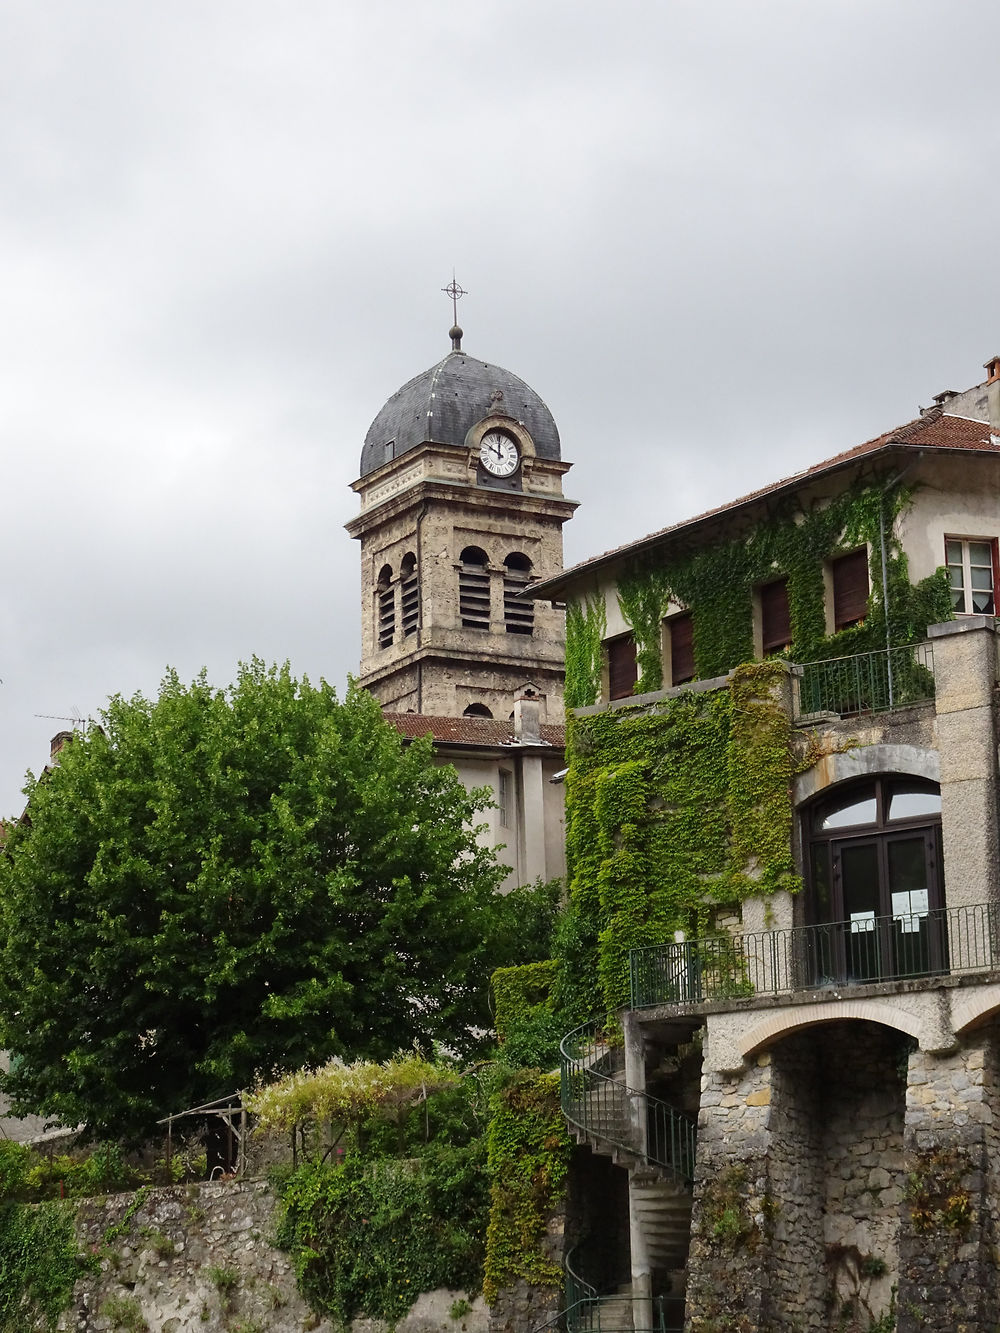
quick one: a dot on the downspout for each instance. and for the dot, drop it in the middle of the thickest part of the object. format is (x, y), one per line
(885, 571)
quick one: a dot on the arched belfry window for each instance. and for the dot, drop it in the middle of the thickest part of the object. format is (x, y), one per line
(409, 590)
(474, 589)
(518, 614)
(385, 597)
(876, 885)
(477, 710)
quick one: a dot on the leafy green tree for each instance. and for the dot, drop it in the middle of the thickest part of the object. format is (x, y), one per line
(223, 883)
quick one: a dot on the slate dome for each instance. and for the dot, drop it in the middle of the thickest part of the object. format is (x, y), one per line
(445, 402)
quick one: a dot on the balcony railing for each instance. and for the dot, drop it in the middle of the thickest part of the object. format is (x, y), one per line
(863, 951)
(868, 682)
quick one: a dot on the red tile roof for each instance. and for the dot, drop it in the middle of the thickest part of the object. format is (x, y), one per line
(936, 429)
(484, 731)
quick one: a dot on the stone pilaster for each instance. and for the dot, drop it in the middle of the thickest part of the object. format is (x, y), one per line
(965, 676)
(947, 1273)
(729, 1261)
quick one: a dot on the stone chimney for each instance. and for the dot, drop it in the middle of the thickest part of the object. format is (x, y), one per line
(528, 716)
(60, 739)
(993, 393)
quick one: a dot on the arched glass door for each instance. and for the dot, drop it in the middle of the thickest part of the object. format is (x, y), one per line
(875, 881)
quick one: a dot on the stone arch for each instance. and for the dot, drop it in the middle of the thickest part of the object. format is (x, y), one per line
(866, 761)
(982, 1003)
(784, 1021)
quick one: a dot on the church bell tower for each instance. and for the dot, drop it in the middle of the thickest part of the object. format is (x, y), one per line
(461, 507)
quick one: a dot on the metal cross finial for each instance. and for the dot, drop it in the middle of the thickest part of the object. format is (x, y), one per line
(454, 291)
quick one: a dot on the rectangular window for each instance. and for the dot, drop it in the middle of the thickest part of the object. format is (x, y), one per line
(503, 799)
(972, 573)
(681, 648)
(622, 669)
(775, 622)
(850, 588)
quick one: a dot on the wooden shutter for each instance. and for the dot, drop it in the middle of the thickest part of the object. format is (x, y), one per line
(681, 648)
(775, 623)
(622, 670)
(850, 588)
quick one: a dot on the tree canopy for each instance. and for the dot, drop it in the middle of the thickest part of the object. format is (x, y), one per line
(220, 884)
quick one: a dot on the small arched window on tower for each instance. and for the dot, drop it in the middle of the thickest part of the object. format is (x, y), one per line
(409, 594)
(474, 589)
(477, 710)
(386, 600)
(518, 613)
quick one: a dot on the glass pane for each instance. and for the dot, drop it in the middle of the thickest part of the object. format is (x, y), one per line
(908, 804)
(852, 810)
(907, 866)
(982, 603)
(957, 599)
(863, 943)
(953, 553)
(982, 578)
(859, 873)
(955, 575)
(981, 553)
(820, 859)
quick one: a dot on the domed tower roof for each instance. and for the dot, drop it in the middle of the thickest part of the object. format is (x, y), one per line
(445, 402)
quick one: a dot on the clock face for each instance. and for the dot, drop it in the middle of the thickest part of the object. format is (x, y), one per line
(498, 453)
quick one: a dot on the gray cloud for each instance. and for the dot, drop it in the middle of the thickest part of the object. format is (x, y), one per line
(722, 241)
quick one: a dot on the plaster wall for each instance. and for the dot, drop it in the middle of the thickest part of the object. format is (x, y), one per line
(955, 496)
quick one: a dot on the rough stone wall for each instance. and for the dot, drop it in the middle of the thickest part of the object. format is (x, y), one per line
(860, 1106)
(201, 1259)
(795, 1295)
(729, 1258)
(947, 1259)
(525, 1305)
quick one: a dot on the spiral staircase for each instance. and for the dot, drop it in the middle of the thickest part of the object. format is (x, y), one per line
(656, 1145)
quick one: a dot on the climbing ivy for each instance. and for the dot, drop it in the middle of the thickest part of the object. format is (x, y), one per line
(404, 1213)
(528, 1156)
(39, 1264)
(671, 815)
(716, 584)
(586, 625)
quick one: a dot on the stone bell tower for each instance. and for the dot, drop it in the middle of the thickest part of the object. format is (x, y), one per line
(461, 507)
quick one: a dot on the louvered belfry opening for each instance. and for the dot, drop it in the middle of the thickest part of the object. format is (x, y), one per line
(474, 589)
(386, 595)
(409, 594)
(518, 613)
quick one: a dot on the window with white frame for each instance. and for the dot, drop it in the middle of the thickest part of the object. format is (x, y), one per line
(972, 565)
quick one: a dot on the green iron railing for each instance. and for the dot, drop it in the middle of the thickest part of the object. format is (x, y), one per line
(586, 1316)
(865, 950)
(603, 1107)
(874, 682)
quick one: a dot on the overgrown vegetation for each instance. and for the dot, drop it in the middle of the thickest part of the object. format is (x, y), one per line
(528, 1159)
(716, 582)
(404, 1213)
(39, 1264)
(245, 868)
(670, 817)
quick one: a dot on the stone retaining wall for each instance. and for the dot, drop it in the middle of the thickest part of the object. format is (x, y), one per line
(202, 1259)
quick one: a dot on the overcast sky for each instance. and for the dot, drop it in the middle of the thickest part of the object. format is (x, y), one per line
(723, 241)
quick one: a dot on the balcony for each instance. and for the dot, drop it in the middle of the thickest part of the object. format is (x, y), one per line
(877, 682)
(866, 950)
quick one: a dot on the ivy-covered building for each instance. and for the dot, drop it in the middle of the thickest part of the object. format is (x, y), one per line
(784, 886)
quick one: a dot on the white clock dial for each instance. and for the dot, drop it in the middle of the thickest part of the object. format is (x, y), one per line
(498, 453)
